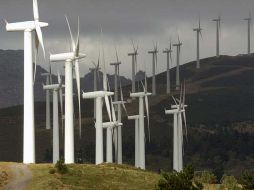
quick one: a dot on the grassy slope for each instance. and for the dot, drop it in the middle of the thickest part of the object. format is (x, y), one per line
(86, 176)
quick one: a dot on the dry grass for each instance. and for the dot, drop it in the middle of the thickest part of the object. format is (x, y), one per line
(88, 176)
(5, 173)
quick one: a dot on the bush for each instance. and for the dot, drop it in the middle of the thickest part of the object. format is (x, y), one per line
(247, 180)
(179, 180)
(61, 167)
(52, 170)
(229, 182)
(206, 177)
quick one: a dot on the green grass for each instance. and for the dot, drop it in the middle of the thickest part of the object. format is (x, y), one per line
(87, 176)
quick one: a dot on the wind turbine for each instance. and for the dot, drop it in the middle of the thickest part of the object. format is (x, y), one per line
(218, 29)
(168, 52)
(55, 88)
(99, 95)
(199, 33)
(47, 75)
(118, 104)
(178, 51)
(134, 66)
(248, 35)
(142, 95)
(69, 58)
(154, 66)
(177, 111)
(28, 27)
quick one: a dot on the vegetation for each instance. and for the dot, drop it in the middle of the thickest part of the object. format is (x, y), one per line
(88, 176)
(205, 177)
(61, 167)
(229, 182)
(247, 180)
(183, 180)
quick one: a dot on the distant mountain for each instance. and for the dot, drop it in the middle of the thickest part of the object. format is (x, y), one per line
(11, 79)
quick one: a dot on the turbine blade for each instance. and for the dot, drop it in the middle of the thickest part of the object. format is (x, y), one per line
(113, 110)
(72, 39)
(35, 55)
(148, 119)
(108, 108)
(77, 41)
(78, 89)
(35, 10)
(39, 35)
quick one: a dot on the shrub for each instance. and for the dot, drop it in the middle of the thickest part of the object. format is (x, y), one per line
(52, 170)
(61, 167)
(247, 180)
(179, 180)
(229, 182)
(206, 177)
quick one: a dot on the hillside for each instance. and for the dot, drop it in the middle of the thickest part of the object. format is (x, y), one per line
(12, 79)
(79, 176)
(219, 116)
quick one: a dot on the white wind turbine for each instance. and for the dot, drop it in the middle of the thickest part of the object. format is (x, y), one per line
(199, 33)
(119, 104)
(99, 95)
(178, 52)
(177, 111)
(55, 88)
(110, 127)
(142, 95)
(28, 27)
(134, 55)
(69, 58)
(154, 67)
(168, 52)
(248, 32)
(218, 31)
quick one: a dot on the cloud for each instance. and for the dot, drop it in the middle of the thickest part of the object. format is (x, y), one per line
(144, 21)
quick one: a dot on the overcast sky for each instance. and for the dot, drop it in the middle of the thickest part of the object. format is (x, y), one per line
(144, 21)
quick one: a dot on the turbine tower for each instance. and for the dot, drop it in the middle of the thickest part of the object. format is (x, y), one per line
(168, 52)
(248, 34)
(47, 75)
(199, 33)
(137, 145)
(134, 66)
(218, 29)
(154, 66)
(69, 58)
(55, 88)
(28, 27)
(178, 51)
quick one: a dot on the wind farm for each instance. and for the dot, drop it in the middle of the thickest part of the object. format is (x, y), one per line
(112, 103)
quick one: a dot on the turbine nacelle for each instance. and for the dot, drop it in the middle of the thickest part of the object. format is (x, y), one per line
(52, 87)
(22, 26)
(140, 94)
(111, 124)
(65, 56)
(96, 94)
